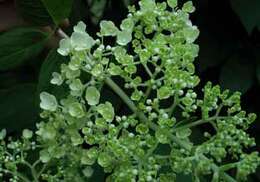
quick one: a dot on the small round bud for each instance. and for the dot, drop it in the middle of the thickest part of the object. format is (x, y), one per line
(108, 47)
(148, 108)
(97, 41)
(118, 118)
(180, 92)
(149, 101)
(157, 69)
(101, 47)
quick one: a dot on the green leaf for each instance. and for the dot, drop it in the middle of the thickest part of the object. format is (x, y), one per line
(107, 111)
(18, 45)
(18, 107)
(127, 2)
(58, 9)
(97, 8)
(257, 57)
(248, 12)
(213, 49)
(108, 28)
(34, 12)
(124, 37)
(237, 75)
(78, 11)
(92, 95)
(48, 102)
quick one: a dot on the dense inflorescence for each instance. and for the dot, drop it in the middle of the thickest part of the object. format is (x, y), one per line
(152, 55)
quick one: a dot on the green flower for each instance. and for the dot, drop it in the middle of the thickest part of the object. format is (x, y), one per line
(76, 110)
(92, 96)
(107, 111)
(48, 102)
(108, 28)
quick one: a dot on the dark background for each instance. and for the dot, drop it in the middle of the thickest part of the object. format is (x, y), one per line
(229, 51)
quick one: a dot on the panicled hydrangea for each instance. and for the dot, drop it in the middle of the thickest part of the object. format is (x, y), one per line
(153, 57)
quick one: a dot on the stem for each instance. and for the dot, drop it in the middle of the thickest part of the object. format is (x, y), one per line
(143, 118)
(42, 170)
(199, 122)
(173, 106)
(147, 70)
(22, 177)
(125, 98)
(228, 166)
(148, 91)
(61, 33)
(34, 173)
(219, 109)
(154, 127)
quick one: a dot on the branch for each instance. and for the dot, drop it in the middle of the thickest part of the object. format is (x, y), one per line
(61, 33)
(143, 118)
(154, 127)
(199, 122)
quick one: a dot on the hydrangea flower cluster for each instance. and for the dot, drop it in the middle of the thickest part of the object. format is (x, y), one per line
(152, 55)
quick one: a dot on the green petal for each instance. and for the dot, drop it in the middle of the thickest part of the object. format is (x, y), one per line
(172, 3)
(191, 34)
(164, 92)
(80, 27)
(92, 96)
(27, 133)
(48, 102)
(127, 24)
(107, 111)
(184, 133)
(56, 79)
(108, 28)
(97, 70)
(188, 7)
(44, 156)
(65, 47)
(2, 134)
(76, 110)
(81, 41)
(147, 5)
(76, 85)
(124, 37)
